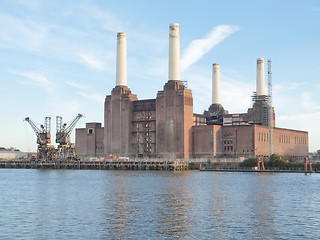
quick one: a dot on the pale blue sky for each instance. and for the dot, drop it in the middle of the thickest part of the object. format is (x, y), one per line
(58, 57)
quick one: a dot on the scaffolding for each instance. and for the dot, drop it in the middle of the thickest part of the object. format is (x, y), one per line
(270, 109)
(144, 133)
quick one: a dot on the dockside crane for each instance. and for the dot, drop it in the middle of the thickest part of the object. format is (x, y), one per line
(45, 151)
(65, 148)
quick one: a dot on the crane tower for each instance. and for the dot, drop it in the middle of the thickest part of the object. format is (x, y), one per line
(65, 148)
(45, 151)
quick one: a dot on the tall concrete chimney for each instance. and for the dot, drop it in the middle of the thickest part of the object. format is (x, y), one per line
(174, 52)
(260, 85)
(216, 83)
(121, 75)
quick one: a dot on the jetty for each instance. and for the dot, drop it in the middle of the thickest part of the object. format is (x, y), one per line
(105, 164)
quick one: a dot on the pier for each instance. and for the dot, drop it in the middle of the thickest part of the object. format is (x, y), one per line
(107, 164)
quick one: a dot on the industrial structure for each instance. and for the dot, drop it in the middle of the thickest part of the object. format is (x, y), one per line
(11, 153)
(43, 133)
(166, 126)
(65, 148)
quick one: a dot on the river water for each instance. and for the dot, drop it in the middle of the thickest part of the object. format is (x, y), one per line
(93, 204)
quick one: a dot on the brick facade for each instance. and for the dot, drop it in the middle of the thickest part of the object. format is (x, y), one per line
(90, 140)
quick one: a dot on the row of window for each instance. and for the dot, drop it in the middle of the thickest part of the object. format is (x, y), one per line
(263, 137)
(284, 139)
(228, 148)
(227, 141)
(300, 140)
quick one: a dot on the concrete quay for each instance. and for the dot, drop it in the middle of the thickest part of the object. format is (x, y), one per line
(257, 171)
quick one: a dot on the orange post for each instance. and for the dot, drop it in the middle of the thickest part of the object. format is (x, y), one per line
(262, 165)
(307, 160)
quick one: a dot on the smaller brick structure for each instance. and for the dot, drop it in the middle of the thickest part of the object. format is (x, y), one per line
(89, 140)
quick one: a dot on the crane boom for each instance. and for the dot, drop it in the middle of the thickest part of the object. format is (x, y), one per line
(66, 149)
(43, 134)
(64, 131)
(33, 125)
(69, 129)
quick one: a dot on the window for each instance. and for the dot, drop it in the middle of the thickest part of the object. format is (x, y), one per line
(90, 131)
(259, 137)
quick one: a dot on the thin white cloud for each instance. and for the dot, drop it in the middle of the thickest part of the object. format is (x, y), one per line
(76, 85)
(106, 19)
(92, 61)
(288, 87)
(31, 4)
(96, 97)
(23, 33)
(316, 9)
(66, 107)
(301, 117)
(199, 47)
(58, 103)
(308, 103)
(35, 79)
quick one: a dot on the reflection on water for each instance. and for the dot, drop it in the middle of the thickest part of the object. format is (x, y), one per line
(262, 207)
(118, 210)
(74, 204)
(172, 213)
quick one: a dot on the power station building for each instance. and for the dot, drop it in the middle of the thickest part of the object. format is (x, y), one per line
(166, 126)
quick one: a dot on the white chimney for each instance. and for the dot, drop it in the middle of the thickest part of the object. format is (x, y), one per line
(260, 77)
(121, 75)
(216, 83)
(174, 52)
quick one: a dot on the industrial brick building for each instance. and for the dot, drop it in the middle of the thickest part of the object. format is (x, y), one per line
(166, 126)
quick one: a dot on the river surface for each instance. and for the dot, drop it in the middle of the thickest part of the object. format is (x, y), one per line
(93, 204)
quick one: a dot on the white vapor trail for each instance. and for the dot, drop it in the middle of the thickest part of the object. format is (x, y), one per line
(199, 47)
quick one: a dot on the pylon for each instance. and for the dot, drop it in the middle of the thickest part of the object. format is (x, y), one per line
(306, 162)
(260, 162)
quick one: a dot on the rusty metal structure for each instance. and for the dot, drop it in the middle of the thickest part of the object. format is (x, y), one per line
(144, 128)
(43, 133)
(66, 149)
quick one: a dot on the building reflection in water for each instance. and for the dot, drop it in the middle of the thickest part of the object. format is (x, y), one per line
(188, 205)
(262, 205)
(173, 212)
(118, 209)
(154, 205)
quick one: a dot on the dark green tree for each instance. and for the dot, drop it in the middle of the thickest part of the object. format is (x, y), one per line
(249, 162)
